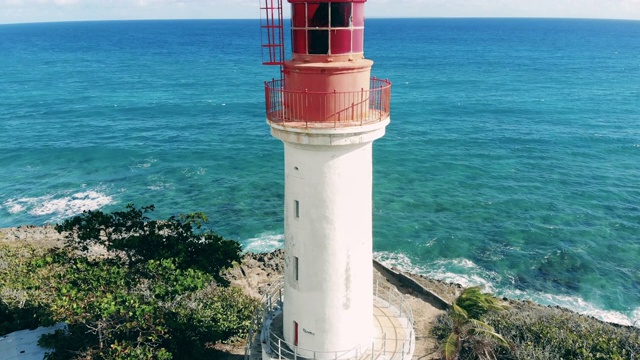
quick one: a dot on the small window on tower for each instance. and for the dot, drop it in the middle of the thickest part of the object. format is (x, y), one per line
(296, 208)
(295, 267)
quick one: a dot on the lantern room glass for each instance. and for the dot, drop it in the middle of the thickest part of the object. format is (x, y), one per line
(327, 28)
(340, 41)
(340, 15)
(358, 14)
(318, 43)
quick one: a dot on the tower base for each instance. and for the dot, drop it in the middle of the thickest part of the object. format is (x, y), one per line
(394, 337)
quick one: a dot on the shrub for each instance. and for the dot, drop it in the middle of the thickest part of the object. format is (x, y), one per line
(552, 333)
(538, 333)
(24, 270)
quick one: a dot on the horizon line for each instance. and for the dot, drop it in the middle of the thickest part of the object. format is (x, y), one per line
(369, 18)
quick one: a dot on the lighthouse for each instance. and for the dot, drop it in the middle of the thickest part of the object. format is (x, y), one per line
(327, 110)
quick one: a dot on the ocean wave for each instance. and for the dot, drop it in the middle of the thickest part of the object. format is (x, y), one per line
(397, 260)
(635, 316)
(13, 206)
(460, 271)
(161, 186)
(194, 171)
(143, 164)
(577, 304)
(264, 242)
(466, 273)
(59, 206)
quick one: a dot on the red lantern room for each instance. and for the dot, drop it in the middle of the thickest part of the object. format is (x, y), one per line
(327, 79)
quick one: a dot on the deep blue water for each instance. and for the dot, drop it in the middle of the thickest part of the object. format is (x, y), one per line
(512, 160)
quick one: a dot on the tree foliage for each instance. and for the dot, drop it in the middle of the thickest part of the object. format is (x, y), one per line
(156, 291)
(140, 239)
(172, 315)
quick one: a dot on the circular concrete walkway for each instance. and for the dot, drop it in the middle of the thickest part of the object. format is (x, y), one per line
(394, 337)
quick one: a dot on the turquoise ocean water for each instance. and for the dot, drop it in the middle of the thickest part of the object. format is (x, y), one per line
(512, 160)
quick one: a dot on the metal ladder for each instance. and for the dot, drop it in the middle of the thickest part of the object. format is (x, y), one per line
(272, 32)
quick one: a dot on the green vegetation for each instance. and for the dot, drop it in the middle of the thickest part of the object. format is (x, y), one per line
(22, 276)
(530, 332)
(128, 287)
(463, 333)
(553, 333)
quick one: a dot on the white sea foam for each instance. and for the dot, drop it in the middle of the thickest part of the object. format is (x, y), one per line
(577, 304)
(460, 271)
(397, 260)
(635, 316)
(143, 164)
(71, 205)
(196, 171)
(466, 273)
(264, 242)
(59, 205)
(13, 207)
(161, 186)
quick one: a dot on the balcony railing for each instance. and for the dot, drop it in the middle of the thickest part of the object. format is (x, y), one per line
(337, 108)
(380, 348)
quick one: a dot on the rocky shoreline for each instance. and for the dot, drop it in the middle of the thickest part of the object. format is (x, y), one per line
(45, 235)
(258, 271)
(427, 297)
(253, 275)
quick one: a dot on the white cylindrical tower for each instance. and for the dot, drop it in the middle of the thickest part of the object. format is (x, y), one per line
(327, 111)
(328, 237)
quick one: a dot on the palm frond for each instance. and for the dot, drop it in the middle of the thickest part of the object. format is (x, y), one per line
(451, 347)
(490, 333)
(459, 311)
(477, 303)
(477, 324)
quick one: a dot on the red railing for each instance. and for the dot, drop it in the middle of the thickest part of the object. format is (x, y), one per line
(306, 108)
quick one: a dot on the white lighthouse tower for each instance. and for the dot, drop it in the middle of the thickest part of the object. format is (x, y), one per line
(327, 110)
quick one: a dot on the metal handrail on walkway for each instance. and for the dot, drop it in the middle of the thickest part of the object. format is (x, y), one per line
(337, 108)
(384, 296)
(283, 350)
(271, 302)
(393, 297)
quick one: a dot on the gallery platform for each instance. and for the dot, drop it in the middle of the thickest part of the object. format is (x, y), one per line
(394, 337)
